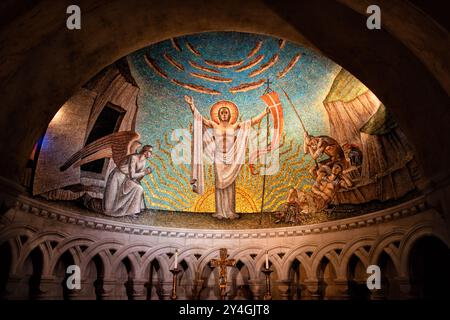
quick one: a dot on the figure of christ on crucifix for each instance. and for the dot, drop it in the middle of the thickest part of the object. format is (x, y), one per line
(223, 263)
(229, 139)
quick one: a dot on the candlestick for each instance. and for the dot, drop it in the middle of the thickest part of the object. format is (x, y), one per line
(174, 283)
(268, 294)
(267, 260)
(176, 259)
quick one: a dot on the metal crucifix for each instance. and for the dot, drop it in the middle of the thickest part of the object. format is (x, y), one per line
(223, 263)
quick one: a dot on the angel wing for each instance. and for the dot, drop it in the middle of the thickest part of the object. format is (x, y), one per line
(116, 146)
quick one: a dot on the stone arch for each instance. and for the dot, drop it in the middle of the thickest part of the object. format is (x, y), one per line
(93, 276)
(72, 243)
(382, 244)
(103, 249)
(206, 274)
(186, 279)
(249, 264)
(326, 276)
(276, 261)
(356, 275)
(13, 235)
(17, 231)
(206, 258)
(240, 278)
(187, 254)
(131, 250)
(328, 252)
(59, 289)
(297, 275)
(244, 256)
(352, 248)
(122, 274)
(15, 247)
(276, 264)
(159, 253)
(191, 263)
(410, 238)
(429, 265)
(154, 276)
(299, 253)
(134, 263)
(208, 278)
(389, 274)
(41, 240)
(31, 273)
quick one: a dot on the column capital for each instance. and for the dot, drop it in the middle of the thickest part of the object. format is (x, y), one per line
(341, 290)
(255, 286)
(138, 289)
(312, 288)
(166, 289)
(404, 286)
(50, 287)
(284, 287)
(108, 289)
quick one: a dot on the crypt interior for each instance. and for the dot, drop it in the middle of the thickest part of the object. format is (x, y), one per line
(75, 99)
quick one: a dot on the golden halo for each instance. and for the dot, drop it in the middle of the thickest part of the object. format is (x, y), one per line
(214, 111)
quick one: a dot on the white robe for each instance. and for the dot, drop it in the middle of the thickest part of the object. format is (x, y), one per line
(226, 164)
(124, 194)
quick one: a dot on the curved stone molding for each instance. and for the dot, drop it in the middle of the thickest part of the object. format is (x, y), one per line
(44, 210)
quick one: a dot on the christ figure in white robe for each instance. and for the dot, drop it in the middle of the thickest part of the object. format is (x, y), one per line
(229, 139)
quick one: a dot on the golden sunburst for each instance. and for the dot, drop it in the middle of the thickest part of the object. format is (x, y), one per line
(169, 187)
(244, 201)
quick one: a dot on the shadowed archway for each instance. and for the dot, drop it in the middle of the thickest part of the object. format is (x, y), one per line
(429, 262)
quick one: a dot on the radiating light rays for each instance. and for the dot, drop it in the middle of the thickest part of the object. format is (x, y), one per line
(305, 75)
(146, 196)
(167, 184)
(171, 193)
(168, 188)
(290, 65)
(244, 201)
(174, 57)
(153, 199)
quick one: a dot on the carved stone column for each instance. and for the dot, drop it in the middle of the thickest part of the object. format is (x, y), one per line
(230, 291)
(341, 291)
(404, 288)
(86, 292)
(256, 287)
(197, 288)
(312, 289)
(284, 288)
(377, 294)
(108, 291)
(137, 288)
(50, 288)
(184, 291)
(165, 290)
(17, 288)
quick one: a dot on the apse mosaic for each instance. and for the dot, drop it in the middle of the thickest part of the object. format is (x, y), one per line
(227, 66)
(145, 127)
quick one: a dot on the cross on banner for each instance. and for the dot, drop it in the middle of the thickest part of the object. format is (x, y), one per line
(268, 83)
(223, 263)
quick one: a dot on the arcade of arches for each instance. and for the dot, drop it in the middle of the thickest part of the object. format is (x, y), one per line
(43, 65)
